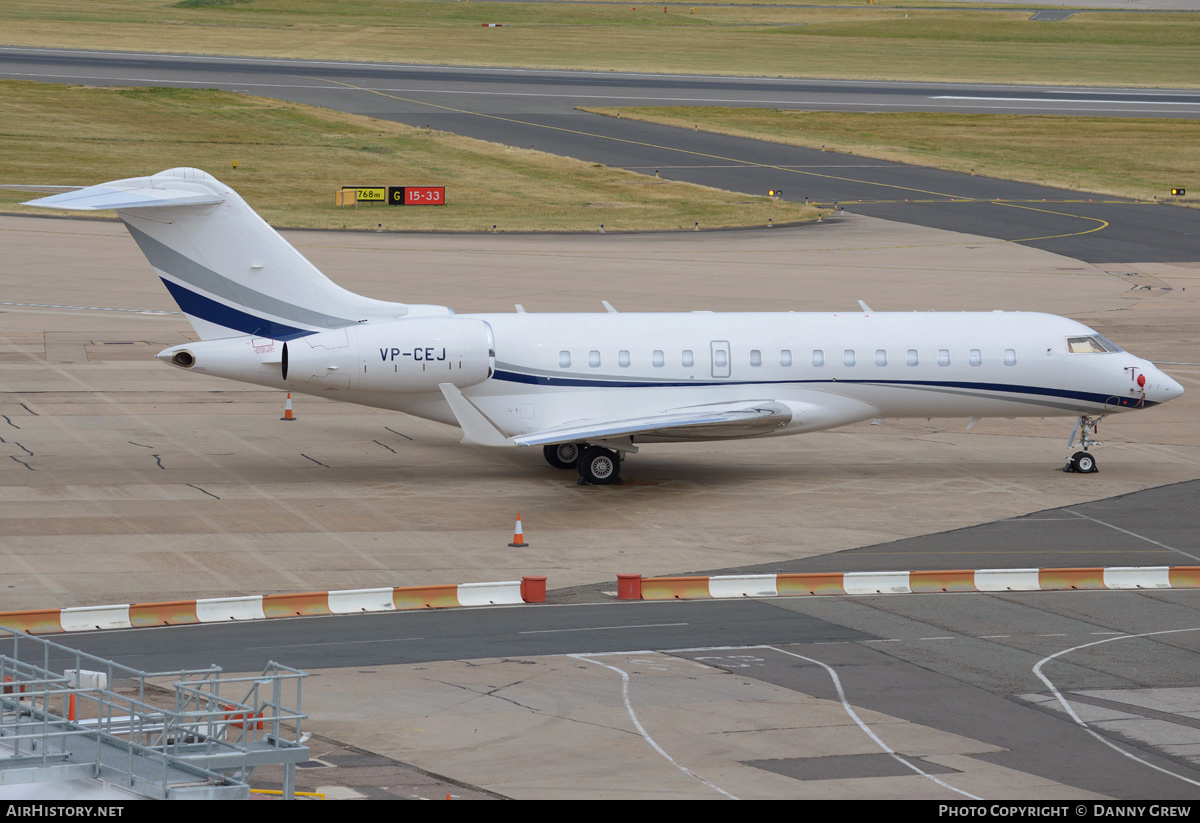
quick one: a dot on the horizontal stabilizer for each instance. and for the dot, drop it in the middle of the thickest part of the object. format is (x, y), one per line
(39, 189)
(118, 196)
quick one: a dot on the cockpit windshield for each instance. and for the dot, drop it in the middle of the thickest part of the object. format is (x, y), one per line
(1093, 344)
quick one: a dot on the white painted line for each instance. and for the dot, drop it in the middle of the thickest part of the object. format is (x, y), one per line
(1070, 100)
(1134, 534)
(605, 628)
(837, 683)
(90, 308)
(641, 729)
(1037, 669)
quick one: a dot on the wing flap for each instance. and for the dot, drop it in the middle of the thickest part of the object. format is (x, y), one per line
(744, 418)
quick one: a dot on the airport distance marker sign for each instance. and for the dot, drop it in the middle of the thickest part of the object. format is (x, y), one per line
(416, 195)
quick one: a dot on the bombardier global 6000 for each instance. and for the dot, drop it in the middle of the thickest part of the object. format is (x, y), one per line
(591, 388)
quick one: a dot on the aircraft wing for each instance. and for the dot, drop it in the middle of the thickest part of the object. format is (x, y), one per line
(742, 418)
(739, 419)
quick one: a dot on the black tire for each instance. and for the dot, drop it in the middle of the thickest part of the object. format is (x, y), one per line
(599, 466)
(562, 455)
(1084, 463)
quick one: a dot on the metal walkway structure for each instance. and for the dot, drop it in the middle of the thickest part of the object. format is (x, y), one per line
(68, 715)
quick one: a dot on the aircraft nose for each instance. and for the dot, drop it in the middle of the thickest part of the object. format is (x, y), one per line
(1161, 387)
(1168, 387)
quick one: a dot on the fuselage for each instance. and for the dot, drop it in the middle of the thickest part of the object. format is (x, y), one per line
(551, 369)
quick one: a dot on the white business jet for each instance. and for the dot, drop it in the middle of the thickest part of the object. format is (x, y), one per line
(592, 388)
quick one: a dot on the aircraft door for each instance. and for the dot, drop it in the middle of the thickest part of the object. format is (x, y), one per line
(720, 358)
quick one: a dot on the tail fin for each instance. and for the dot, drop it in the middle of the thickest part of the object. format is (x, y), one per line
(229, 271)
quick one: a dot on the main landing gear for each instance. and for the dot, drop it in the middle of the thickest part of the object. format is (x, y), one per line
(1082, 461)
(597, 465)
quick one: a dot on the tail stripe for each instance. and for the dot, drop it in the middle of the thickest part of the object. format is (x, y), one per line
(211, 311)
(178, 266)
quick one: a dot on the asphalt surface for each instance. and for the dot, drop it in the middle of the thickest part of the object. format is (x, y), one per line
(1156, 527)
(537, 109)
(960, 664)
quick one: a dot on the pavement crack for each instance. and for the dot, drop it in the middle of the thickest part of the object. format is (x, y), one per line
(158, 460)
(386, 446)
(313, 459)
(22, 462)
(143, 445)
(27, 451)
(393, 431)
(9, 422)
(197, 488)
(31, 411)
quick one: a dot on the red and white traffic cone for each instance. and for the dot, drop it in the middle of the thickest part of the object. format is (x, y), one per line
(518, 536)
(287, 409)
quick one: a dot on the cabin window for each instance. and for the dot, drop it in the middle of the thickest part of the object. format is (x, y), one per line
(687, 357)
(976, 357)
(720, 358)
(943, 357)
(564, 359)
(755, 357)
(657, 358)
(623, 359)
(594, 359)
(1010, 357)
(881, 357)
(818, 357)
(912, 357)
(848, 357)
(785, 357)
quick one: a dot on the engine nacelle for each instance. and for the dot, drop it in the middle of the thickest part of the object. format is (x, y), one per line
(409, 355)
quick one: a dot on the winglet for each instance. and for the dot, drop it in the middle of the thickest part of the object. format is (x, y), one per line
(476, 428)
(865, 307)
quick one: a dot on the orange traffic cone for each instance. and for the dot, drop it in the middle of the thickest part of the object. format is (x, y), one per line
(518, 536)
(287, 409)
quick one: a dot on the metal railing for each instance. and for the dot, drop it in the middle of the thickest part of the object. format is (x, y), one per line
(206, 744)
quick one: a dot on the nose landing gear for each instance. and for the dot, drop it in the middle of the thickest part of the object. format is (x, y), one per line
(1082, 461)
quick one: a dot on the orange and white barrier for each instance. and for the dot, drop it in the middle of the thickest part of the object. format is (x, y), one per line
(259, 607)
(922, 582)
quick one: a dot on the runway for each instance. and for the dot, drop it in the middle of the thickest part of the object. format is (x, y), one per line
(537, 109)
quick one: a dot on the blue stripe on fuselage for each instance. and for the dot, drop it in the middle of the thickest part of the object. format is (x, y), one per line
(211, 311)
(1042, 391)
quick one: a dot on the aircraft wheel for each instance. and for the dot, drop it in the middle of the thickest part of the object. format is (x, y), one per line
(599, 466)
(1083, 462)
(562, 455)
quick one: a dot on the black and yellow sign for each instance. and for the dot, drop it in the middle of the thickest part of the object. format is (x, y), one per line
(371, 194)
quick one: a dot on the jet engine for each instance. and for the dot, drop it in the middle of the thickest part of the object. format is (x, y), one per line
(411, 355)
(408, 355)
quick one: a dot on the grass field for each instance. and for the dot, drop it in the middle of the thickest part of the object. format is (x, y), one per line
(854, 41)
(1126, 157)
(292, 158)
